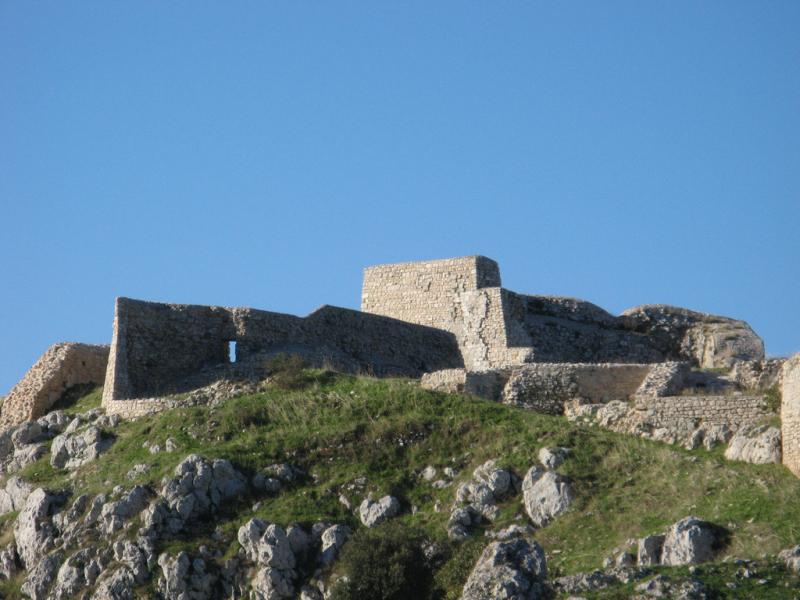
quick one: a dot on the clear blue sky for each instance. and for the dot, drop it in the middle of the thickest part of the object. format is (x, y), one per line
(261, 154)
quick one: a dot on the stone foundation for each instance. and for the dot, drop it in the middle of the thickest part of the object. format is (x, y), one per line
(61, 367)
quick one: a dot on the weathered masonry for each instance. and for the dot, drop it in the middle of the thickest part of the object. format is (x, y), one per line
(159, 349)
(498, 328)
(57, 371)
(790, 414)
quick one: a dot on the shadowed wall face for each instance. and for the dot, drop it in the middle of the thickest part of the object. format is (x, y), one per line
(160, 349)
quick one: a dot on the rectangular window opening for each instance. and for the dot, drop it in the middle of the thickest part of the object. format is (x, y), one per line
(232, 351)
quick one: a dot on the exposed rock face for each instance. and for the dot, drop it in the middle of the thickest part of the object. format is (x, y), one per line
(74, 449)
(199, 487)
(650, 549)
(688, 542)
(546, 494)
(708, 341)
(270, 548)
(40, 577)
(58, 369)
(184, 578)
(759, 375)
(333, 538)
(14, 495)
(116, 585)
(508, 570)
(759, 445)
(374, 513)
(478, 497)
(33, 531)
(552, 458)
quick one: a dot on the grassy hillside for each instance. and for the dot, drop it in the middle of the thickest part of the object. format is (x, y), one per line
(338, 428)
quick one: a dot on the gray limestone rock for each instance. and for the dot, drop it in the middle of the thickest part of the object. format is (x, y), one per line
(333, 538)
(511, 570)
(185, 579)
(546, 495)
(40, 577)
(688, 542)
(9, 561)
(374, 513)
(757, 445)
(649, 551)
(13, 496)
(791, 557)
(73, 449)
(33, 531)
(115, 585)
(552, 458)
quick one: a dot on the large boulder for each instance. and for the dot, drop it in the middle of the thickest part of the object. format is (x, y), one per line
(758, 445)
(688, 542)
(374, 513)
(508, 570)
(333, 538)
(546, 495)
(115, 585)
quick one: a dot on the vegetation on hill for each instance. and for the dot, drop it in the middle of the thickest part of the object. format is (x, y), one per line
(338, 429)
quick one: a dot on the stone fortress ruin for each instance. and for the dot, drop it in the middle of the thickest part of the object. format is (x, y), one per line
(662, 372)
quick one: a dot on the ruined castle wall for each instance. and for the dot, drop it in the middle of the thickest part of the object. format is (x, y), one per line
(426, 292)
(790, 414)
(547, 387)
(682, 412)
(61, 367)
(159, 349)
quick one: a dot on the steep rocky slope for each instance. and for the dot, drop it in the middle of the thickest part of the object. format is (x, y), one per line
(283, 491)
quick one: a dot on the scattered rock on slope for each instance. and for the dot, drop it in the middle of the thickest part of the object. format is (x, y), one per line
(546, 494)
(512, 570)
(374, 513)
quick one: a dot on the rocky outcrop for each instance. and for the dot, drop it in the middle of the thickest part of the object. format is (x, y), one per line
(709, 341)
(60, 368)
(477, 498)
(546, 495)
(76, 447)
(34, 531)
(552, 458)
(513, 570)
(757, 445)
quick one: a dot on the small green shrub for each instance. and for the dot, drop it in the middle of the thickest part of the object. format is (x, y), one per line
(773, 398)
(385, 563)
(288, 371)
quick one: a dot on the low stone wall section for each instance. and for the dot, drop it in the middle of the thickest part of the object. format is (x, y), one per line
(547, 387)
(60, 368)
(790, 414)
(676, 412)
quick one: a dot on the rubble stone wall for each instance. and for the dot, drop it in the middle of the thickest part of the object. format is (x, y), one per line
(790, 414)
(547, 387)
(674, 412)
(61, 367)
(159, 349)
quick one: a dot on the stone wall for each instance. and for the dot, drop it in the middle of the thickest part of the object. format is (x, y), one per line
(60, 368)
(678, 412)
(790, 414)
(547, 387)
(160, 349)
(497, 328)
